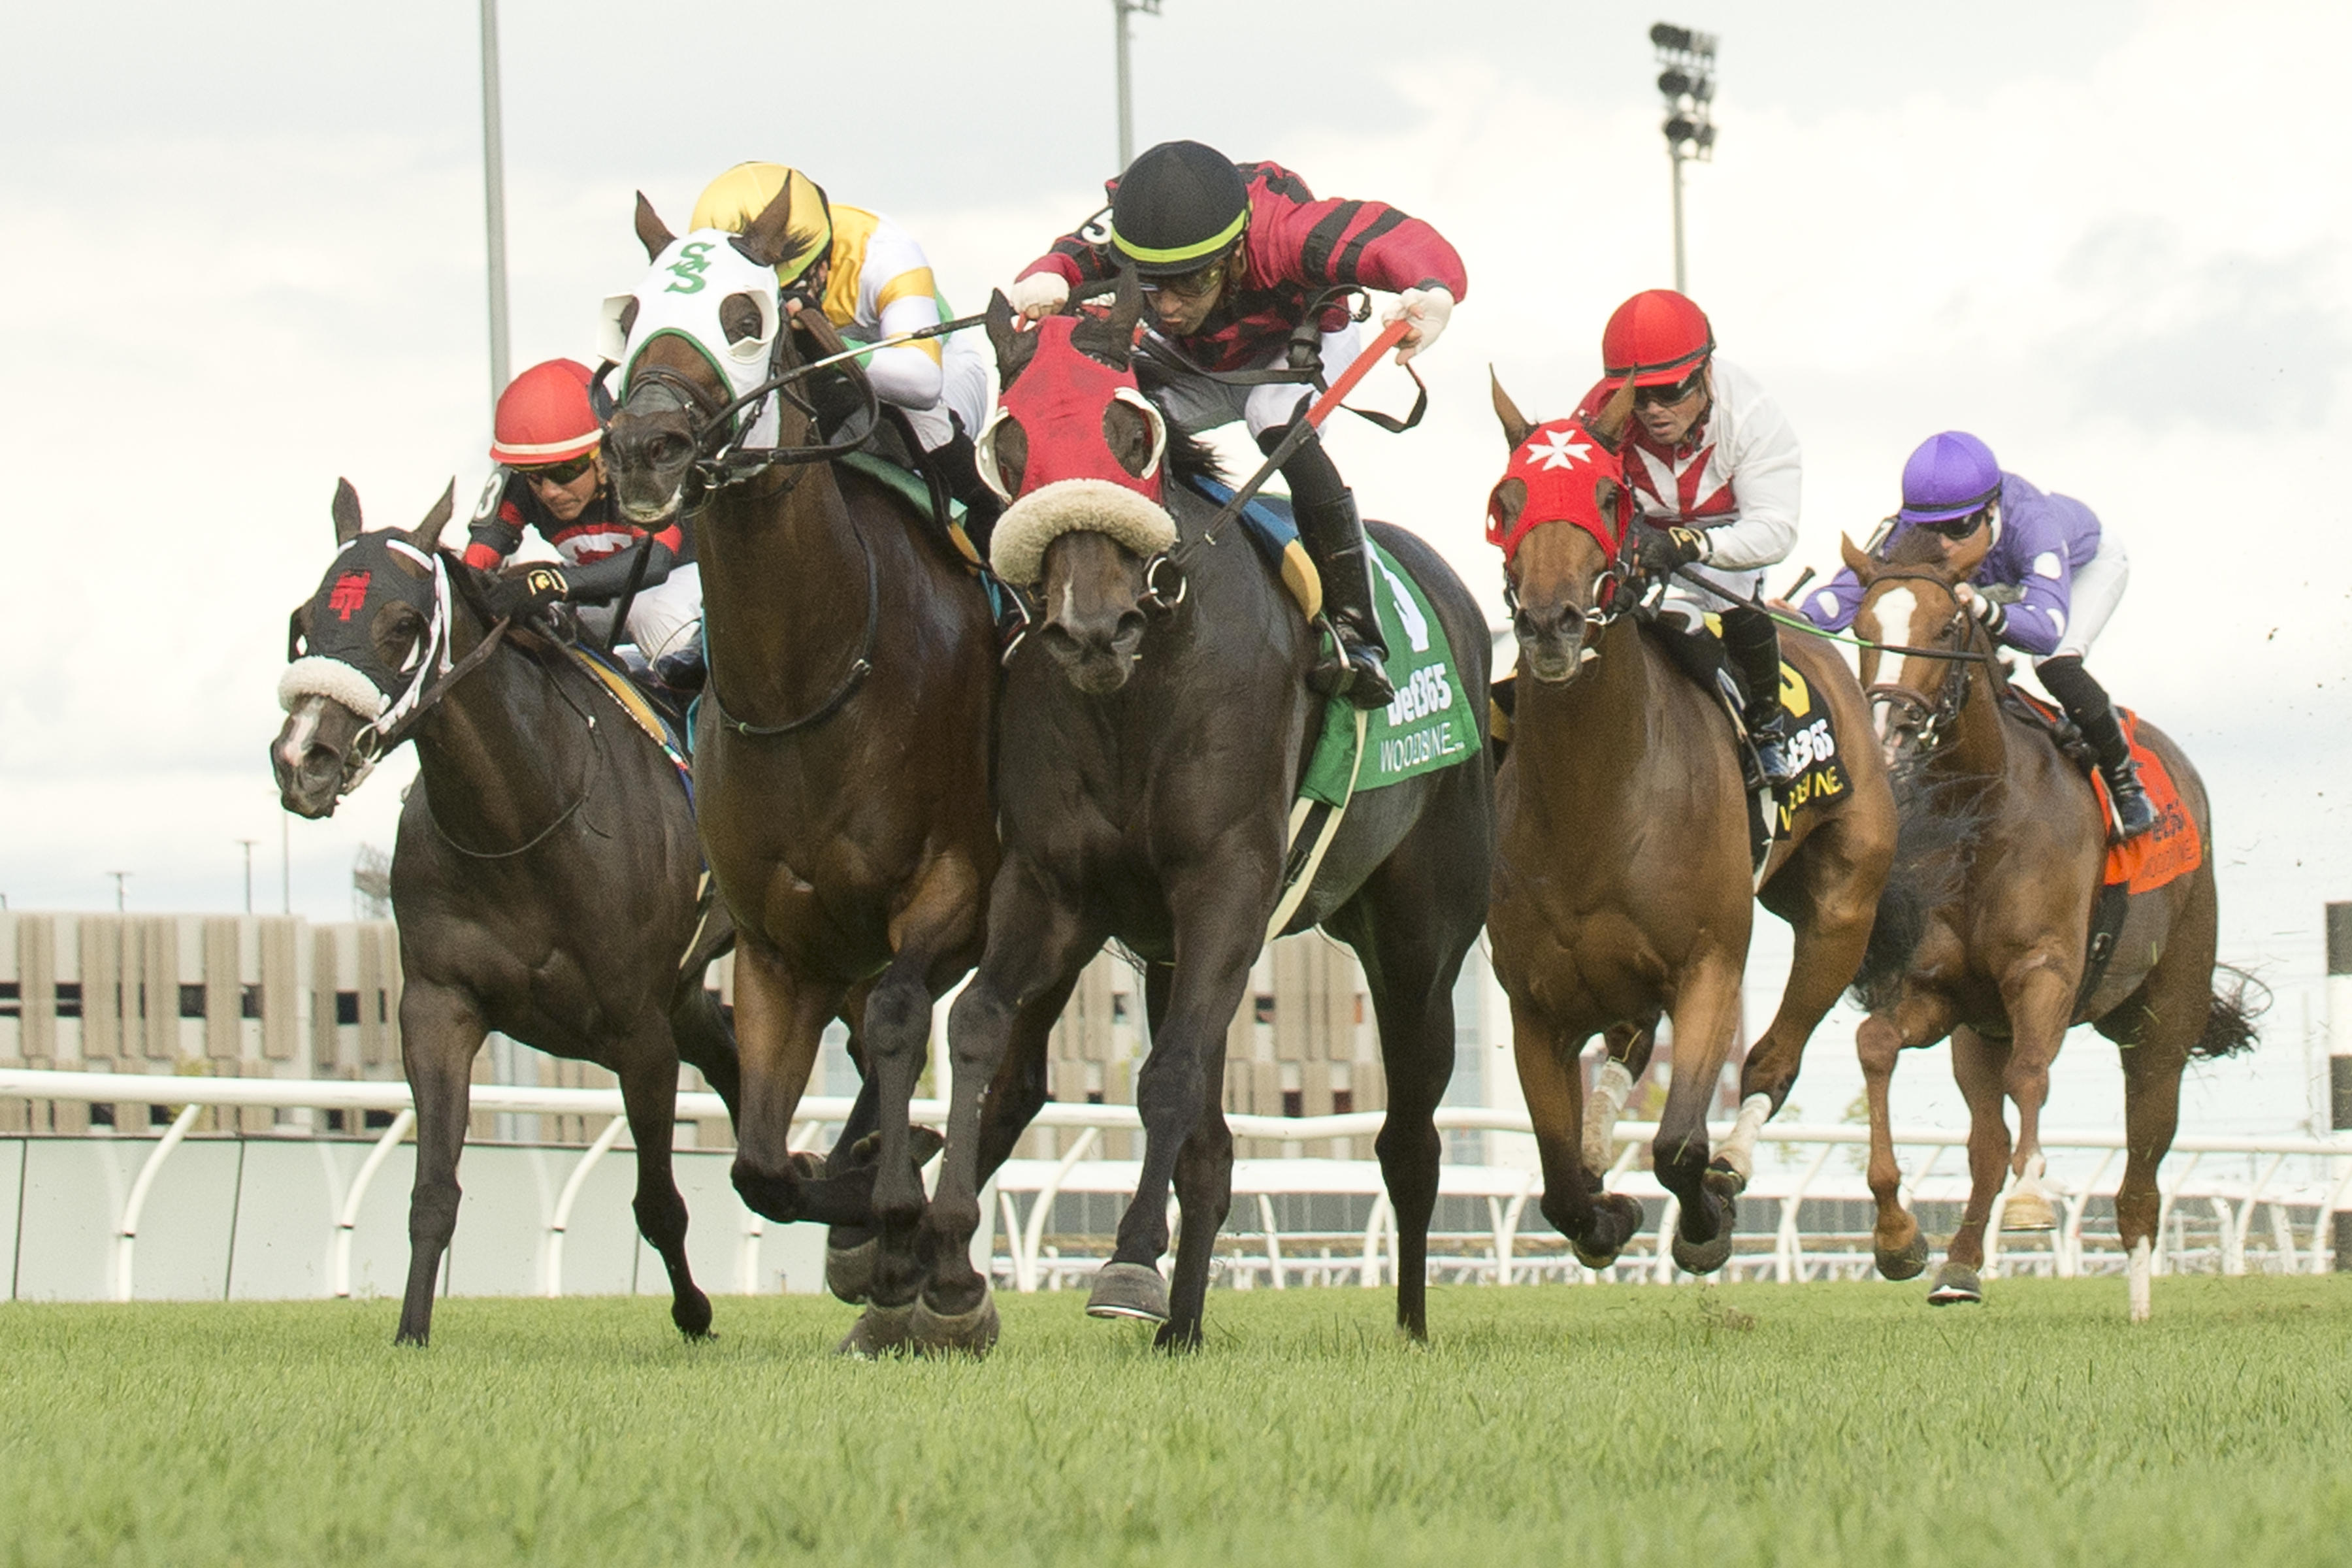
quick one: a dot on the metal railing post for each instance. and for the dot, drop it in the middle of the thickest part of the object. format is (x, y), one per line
(2339, 1057)
(126, 1236)
(348, 1219)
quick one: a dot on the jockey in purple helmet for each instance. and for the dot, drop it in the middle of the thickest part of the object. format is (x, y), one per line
(2065, 572)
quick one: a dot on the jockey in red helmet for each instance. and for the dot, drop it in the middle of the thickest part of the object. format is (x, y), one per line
(1715, 471)
(551, 477)
(1230, 256)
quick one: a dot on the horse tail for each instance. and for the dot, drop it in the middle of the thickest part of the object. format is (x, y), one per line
(1937, 825)
(2238, 1000)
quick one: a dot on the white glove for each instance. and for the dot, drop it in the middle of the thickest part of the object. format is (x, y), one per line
(1992, 612)
(1038, 295)
(1428, 309)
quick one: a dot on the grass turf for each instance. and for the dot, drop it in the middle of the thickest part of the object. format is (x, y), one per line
(1820, 1424)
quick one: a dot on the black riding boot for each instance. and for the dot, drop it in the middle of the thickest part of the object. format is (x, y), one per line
(683, 668)
(1333, 534)
(1753, 643)
(2085, 701)
(960, 467)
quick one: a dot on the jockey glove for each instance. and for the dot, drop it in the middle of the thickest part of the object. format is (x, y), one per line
(1992, 613)
(517, 597)
(1660, 549)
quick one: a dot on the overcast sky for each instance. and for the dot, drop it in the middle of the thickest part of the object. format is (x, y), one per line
(243, 254)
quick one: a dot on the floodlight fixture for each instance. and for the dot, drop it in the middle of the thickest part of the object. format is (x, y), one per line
(1687, 83)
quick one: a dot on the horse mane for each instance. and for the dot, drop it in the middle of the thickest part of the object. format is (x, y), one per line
(1912, 547)
(1940, 822)
(1192, 457)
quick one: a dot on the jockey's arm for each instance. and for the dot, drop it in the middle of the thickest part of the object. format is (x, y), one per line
(495, 532)
(895, 293)
(1368, 244)
(1832, 605)
(602, 581)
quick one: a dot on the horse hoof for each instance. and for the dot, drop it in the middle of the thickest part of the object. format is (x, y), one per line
(922, 1143)
(878, 1331)
(1724, 1181)
(1595, 1260)
(2028, 1211)
(849, 1271)
(692, 1315)
(1707, 1257)
(973, 1332)
(1956, 1283)
(1128, 1290)
(1903, 1262)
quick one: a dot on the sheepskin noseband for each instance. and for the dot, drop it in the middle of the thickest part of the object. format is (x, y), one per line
(1072, 480)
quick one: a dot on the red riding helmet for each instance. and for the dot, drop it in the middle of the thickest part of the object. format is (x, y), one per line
(1657, 337)
(544, 416)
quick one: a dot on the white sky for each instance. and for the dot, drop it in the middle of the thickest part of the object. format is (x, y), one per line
(245, 248)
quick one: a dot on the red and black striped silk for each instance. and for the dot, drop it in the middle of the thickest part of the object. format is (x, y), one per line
(1296, 246)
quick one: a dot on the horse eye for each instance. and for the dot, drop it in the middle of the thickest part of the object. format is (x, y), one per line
(738, 318)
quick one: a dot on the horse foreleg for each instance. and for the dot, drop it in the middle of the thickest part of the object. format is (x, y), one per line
(1596, 1225)
(1037, 947)
(2040, 1002)
(780, 1018)
(1626, 1057)
(441, 1028)
(1977, 1065)
(649, 1093)
(2151, 1115)
(1915, 1021)
(1204, 1196)
(1705, 1010)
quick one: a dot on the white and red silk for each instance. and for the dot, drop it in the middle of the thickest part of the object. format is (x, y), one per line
(1564, 468)
(1072, 479)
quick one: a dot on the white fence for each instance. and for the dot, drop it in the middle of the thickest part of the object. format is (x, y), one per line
(290, 1215)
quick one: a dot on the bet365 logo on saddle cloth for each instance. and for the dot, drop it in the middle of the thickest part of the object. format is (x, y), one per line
(1812, 750)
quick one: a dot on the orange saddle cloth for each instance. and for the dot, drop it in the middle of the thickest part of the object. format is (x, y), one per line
(2172, 848)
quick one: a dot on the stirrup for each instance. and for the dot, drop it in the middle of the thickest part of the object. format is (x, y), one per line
(2134, 814)
(1353, 669)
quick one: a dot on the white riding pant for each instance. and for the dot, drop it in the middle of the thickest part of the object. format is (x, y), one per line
(2091, 601)
(966, 390)
(662, 619)
(1195, 403)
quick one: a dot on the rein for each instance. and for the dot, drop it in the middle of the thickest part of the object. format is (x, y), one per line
(1798, 623)
(587, 784)
(1936, 718)
(859, 668)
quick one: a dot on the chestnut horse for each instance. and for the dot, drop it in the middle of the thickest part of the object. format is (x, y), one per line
(546, 878)
(1622, 877)
(842, 750)
(1153, 739)
(2001, 965)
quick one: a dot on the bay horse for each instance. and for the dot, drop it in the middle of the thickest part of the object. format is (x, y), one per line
(843, 745)
(2001, 962)
(1623, 880)
(546, 880)
(1151, 742)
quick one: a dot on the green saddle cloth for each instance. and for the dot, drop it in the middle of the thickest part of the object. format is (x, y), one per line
(1431, 724)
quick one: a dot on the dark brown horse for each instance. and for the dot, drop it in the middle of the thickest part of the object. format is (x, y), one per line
(546, 878)
(841, 752)
(1622, 884)
(1152, 742)
(2002, 963)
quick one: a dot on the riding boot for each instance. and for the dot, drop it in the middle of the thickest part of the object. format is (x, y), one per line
(2085, 701)
(683, 669)
(1753, 643)
(1333, 534)
(959, 465)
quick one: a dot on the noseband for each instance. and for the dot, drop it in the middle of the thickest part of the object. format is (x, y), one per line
(1931, 719)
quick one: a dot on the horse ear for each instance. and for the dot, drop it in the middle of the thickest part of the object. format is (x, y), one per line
(1001, 332)
(1857, 559)
(1517, 426)
(346, 508)
(426, 535)
(651, 233)
(1126, 309)
(1615, 414)
(769, 238)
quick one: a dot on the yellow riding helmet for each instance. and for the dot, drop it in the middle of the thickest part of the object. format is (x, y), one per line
(740, 195)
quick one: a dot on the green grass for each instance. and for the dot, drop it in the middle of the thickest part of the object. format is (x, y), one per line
(1748, 1424)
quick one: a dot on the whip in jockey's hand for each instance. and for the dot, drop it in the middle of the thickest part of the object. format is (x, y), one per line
(1660, 549)
(1233, 259)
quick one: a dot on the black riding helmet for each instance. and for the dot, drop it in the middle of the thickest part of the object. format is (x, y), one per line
(1179, 206)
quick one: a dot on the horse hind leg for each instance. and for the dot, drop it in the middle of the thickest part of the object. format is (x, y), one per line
(2038, 1007)
(648, 1090)
(2160, 1024)
(440, 1031)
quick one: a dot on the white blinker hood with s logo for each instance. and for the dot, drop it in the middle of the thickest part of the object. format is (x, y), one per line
(681, 296)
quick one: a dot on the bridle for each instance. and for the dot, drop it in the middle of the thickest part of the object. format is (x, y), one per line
(1610, 600)
(1930, 720)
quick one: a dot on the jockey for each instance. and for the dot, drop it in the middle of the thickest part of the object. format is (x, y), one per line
(873, 281)
(2067, 574)
(1715, 470)
(1229, 256)
(547, 441)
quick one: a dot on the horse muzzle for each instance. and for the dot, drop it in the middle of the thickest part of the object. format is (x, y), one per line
(1552, 642)
(648, 460)
(313, 759)
(1098, 656)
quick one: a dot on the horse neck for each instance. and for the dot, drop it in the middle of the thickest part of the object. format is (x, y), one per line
(1585, 741)
(497, 753)
(1980, 732)
(783, 589)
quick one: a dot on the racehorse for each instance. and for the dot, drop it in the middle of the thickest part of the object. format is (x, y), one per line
(2002, 963)
(1623, 881)
(546, 878)
(1151, 741)
(842, 750)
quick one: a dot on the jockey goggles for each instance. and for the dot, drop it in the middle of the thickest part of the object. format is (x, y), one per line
(1667, 396)
(560, 473)
(1198, 284)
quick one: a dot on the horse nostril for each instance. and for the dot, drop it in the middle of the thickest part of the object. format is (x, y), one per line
(1130, 632)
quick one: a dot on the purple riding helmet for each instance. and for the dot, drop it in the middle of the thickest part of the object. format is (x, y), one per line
(1951, 475)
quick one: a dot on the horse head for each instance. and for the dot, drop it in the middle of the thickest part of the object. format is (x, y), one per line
(362, 646)
(1078, 452)
(1559, 516)
(1910, 604)
(701, 330)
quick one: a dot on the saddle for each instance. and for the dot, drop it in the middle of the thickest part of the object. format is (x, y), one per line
(651, 708)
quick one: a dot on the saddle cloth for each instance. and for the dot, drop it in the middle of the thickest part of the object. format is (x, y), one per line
(657, 725)
(2169, 850)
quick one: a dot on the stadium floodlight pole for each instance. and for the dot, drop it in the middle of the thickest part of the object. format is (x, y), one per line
(2339, 1062)
(248, 844)
(286, 862)
(494, 197)
(1121, 11)
(1686, 82)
